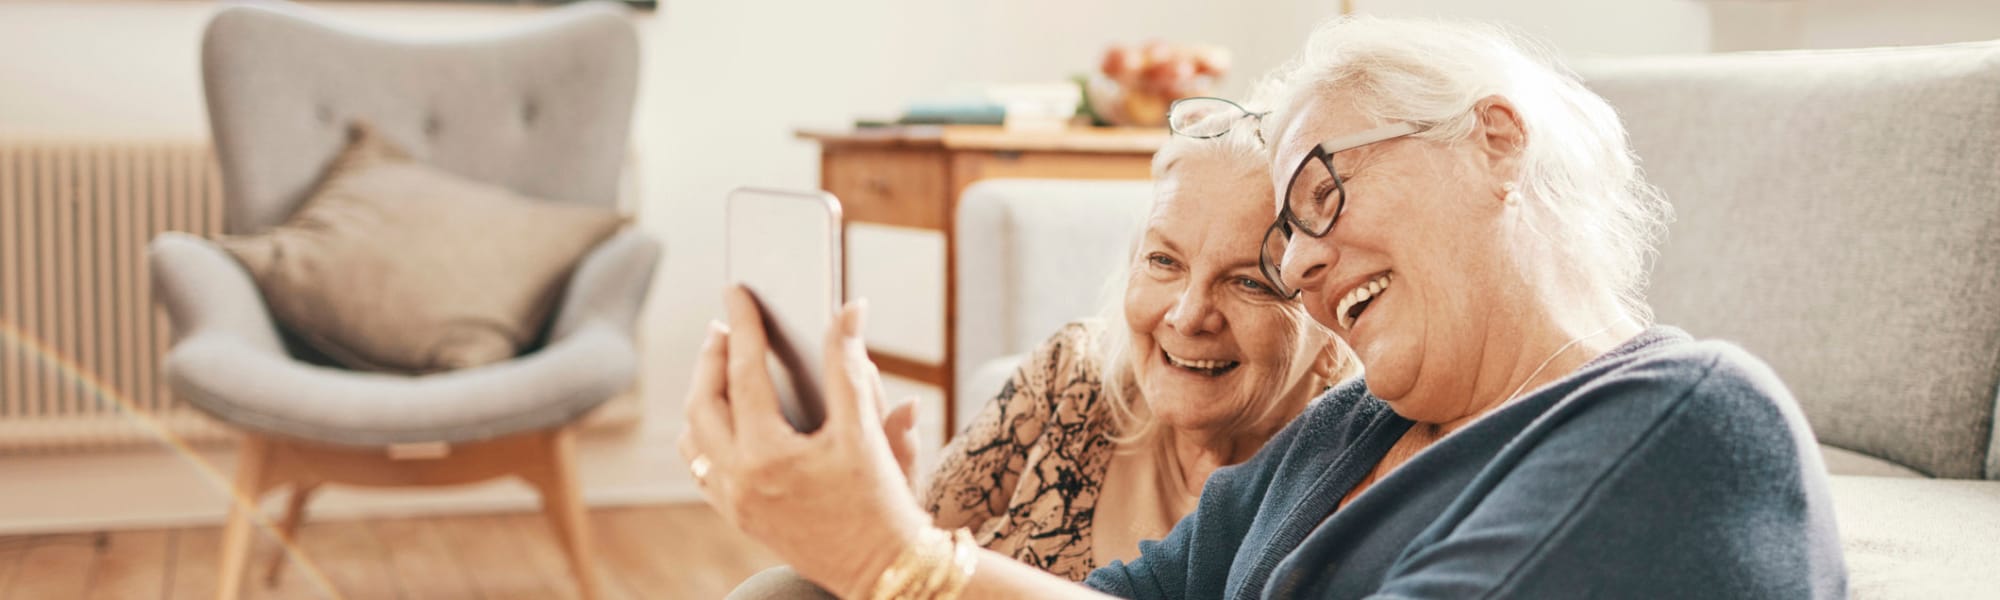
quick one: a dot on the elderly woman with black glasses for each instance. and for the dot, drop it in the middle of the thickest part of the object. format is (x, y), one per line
(1471, 221)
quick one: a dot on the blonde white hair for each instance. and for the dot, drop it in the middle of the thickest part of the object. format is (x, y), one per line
(1135, 427)
(1577, 167)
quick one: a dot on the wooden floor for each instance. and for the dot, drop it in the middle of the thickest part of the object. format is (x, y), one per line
(677, 551)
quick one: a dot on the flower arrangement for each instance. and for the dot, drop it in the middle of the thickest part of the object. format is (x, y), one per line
(1136, 83)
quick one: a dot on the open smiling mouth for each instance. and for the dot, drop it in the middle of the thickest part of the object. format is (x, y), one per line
(1357, 300)
(1210, 368)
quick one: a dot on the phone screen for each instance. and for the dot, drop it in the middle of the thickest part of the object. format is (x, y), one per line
(785, 247)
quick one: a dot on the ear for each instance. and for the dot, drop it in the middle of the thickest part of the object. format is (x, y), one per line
(1501, 137)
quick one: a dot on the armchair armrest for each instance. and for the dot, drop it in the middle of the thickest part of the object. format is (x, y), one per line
(609, 286)
(206, 291)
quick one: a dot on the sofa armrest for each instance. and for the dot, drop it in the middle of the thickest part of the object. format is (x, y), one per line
(609, 286)
(205, 291)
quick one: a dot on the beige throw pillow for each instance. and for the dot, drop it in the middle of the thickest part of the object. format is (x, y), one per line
(394, 265)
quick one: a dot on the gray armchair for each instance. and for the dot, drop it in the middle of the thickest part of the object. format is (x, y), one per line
(544, 110)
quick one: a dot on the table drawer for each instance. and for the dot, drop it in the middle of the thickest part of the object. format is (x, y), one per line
(908, 188)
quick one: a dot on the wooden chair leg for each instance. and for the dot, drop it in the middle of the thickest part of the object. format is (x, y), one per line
(562, 504)
(288, 530)
(237, 535)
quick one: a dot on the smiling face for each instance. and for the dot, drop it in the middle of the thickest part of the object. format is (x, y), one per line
(1212, 344)
(1416, 271)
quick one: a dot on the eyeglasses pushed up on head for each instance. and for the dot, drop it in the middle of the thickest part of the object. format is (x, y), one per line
(1208, 117)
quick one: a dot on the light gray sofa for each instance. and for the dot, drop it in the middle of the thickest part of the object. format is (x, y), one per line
(1838, 214)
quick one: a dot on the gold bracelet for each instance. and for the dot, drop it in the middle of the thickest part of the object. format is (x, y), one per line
(937, 567)
(965, 558)
(906, 577)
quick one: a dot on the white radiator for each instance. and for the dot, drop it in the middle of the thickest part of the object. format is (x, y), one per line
(80, 358)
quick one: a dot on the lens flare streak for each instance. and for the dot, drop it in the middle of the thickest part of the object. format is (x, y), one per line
(41, 351)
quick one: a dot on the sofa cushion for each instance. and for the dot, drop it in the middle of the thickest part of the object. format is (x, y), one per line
(394, 265)
(1913, 538)
(1838, 214)
(1841, 461)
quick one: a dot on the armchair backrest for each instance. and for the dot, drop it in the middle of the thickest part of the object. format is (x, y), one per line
(544, 110)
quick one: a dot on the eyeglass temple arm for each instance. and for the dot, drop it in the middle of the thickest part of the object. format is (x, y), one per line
(1371, 136)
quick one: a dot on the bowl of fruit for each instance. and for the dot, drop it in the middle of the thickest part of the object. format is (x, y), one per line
(1135, 84)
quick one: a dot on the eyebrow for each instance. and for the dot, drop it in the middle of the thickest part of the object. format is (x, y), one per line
(1155, 234)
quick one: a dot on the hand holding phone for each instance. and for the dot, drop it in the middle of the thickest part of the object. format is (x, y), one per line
(784, 247)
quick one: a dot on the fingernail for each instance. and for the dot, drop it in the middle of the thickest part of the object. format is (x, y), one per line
(716, 332)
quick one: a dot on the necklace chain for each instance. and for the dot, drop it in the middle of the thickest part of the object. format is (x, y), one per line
(1552, 358)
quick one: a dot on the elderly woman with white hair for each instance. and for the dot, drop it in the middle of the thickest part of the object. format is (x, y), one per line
(1470, 220)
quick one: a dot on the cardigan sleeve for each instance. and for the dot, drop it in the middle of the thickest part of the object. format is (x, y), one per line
(978, 470)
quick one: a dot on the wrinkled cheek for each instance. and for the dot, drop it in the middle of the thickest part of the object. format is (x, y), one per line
(1144, 306)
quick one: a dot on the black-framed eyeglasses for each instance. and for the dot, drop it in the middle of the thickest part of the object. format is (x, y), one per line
(1315, 197)
(1207, 117)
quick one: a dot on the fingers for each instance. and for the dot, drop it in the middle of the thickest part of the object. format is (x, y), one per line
(874, 373)
(709, 430)
(848, 372)
(709, 435)
(709, 393)
(901, 419)
(753, 398)
(710, 486)
(711, 363)
(901, 428)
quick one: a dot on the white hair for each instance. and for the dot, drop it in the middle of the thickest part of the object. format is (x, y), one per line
(1577, 167)
(1134, 425)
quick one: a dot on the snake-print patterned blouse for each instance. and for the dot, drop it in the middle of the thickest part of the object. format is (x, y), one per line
(1024, 475)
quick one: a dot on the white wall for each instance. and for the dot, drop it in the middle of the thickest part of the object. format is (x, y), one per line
(1790, 24)
(1576, 28)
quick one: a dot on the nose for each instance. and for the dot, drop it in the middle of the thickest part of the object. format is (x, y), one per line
(1307, 261)
(1194, 313)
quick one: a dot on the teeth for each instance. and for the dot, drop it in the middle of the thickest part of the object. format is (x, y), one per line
(1359, 294)
(1197, 364)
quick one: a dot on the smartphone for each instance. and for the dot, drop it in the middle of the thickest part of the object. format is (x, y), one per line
(784, 246)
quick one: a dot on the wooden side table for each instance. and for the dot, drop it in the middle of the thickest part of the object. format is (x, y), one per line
(912, 176)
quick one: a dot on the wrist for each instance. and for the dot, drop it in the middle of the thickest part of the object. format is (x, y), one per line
(879, 557)
(936, 565)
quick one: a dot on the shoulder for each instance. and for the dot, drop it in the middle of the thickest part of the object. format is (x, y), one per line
(1716, 377)
(1073, 347)
(1690, 402)
(1656, 459)
(1063, 379)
